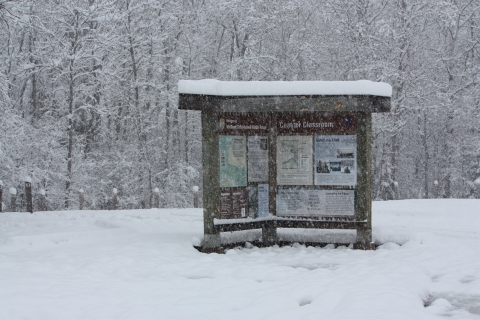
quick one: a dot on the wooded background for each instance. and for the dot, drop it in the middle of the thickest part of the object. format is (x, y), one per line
(88, 88)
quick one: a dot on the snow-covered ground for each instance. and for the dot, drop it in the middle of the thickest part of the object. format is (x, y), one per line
(140, 264)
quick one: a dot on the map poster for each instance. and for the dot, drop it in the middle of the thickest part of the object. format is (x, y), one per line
(257, 159)
(294, 160)
(233, 203)
(336, 160)
(311, 202)
(233, 161)
(258, 201)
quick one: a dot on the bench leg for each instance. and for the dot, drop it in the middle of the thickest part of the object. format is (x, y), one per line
(269, 234)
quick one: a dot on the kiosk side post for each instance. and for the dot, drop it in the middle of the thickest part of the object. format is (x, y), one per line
(211, 178)
(269, 230)
(364, 189)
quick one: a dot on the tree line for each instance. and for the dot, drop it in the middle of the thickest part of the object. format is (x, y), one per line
(88, 94)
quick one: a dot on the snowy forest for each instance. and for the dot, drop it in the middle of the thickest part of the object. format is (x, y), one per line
(88, 88)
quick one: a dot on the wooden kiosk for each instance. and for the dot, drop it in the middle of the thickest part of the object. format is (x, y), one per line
(286, 155)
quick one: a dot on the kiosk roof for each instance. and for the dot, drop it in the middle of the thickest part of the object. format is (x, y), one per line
(213, 87)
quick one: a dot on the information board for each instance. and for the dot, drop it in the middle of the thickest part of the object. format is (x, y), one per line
(294, 160)
(310, 150)
(312, 202)
(233, 161)
(257, 159)
(336, 160)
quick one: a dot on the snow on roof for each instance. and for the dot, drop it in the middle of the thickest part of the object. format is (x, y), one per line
(283, 88)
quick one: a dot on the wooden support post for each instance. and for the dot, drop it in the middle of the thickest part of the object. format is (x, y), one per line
(364, 181)
(269, 231)
(211, 178)
(114, 199)
(272, 167)
(477, 187)
(28, 194)
(156, 198)
(81, 199)
(42, 201)
(1, 196)
(13, 199)
(435, 186)
(195, 196)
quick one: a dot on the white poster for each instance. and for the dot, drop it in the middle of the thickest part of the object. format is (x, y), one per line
(257, 159)
(307, 202)
(336, 160)
(294, 160)
(263, 210)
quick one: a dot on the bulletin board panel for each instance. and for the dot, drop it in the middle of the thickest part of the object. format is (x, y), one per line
(287, 164)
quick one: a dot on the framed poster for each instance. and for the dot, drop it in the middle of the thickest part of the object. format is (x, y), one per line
(258, 201)
(257, 159)
(233, 161)
(314, 202)
(294, 160)
(263, 201)
(336, 160)
(233, 203)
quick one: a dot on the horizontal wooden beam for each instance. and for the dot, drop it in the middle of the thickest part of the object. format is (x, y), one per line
(290, 223)
(345, 103)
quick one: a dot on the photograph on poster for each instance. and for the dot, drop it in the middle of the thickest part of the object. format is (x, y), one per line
(294, 160)
(335, 160)
(345, 153)
(233, 166)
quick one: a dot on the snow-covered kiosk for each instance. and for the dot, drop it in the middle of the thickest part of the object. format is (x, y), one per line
(286, 154)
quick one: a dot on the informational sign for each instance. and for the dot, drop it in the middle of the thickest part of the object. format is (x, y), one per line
(258, 201)
(237, 123)
(233, 203)
(257, 158)
(294, 160)
(311, 202)
(336, 160)
(233, 161)
(314, 123)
